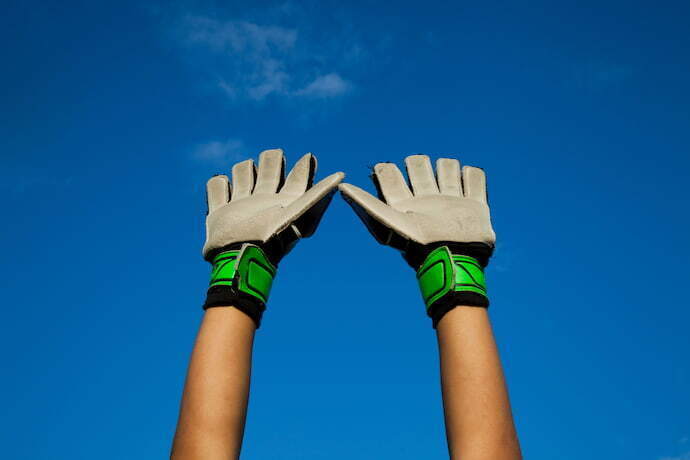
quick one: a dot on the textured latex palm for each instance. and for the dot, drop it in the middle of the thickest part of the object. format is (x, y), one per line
(252, 224)
(264, 207)
(440, 223)
(446, 208)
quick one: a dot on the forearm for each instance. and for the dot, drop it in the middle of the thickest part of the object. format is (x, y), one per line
(214, 403)
(250, 226)
(479, 423)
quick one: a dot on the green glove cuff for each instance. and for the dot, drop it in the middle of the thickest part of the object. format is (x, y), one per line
(242, 279)
(447, 280)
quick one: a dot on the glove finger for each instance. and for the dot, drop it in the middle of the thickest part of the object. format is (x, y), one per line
(391, 183)
(448, 172)
(301, 176)
(474, 183)
(421, 175)
(302, 204)
(271, 171)
(217, 192)
(242, 179)
(307, 223)
(380, 218)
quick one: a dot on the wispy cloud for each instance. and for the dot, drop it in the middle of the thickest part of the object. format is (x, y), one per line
(255, 61)
(220, 151)
(326, 86)
(239, 36)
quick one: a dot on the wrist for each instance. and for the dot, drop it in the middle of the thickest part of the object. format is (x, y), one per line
(241, 277)
(416, 254)
(447, 280)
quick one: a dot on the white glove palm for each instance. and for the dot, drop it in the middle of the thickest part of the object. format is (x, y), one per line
(452, 209)
(265, 207)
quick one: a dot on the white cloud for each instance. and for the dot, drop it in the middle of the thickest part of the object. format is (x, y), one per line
(238, 36)
(325, 86)
(220, 152)
(254, 61)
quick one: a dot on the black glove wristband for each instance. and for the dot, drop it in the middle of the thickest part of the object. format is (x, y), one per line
(448, 280)
(241, 278)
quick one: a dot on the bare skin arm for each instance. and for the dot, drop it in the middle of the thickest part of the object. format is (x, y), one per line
(250, 226)
(479, 422)
(214, 403)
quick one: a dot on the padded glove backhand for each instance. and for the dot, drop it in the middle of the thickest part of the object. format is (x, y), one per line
(264, 207)
(447, 209)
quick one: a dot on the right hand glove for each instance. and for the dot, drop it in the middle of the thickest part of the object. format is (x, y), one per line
(442, 227)
(253, 224)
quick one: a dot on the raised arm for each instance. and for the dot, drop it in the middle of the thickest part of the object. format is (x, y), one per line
(250, 226)
(214, 403)
(479, 423)
(442, 226)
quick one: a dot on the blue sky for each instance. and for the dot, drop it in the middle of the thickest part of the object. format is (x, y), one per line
(115, 114)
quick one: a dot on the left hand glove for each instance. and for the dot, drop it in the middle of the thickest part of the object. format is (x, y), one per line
(253, 224)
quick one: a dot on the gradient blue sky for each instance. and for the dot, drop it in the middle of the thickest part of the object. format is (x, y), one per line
(114, 115)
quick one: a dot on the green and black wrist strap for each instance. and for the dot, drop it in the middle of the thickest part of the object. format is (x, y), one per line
(241, 278)
(448, 280)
